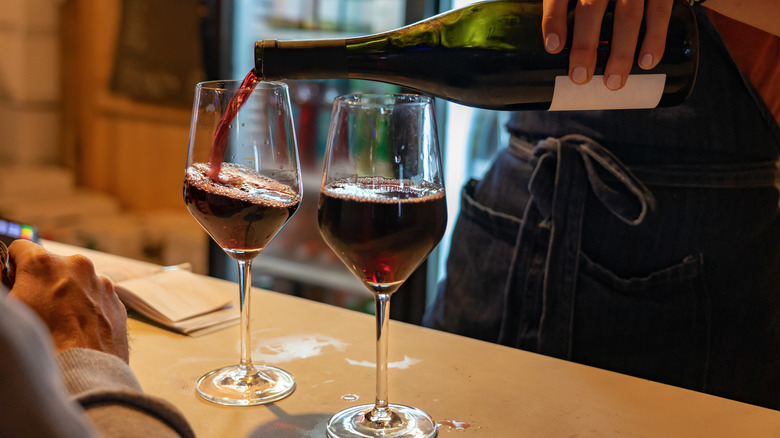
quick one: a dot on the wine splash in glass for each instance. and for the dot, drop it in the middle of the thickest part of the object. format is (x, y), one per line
(382, 210)
(242, 183)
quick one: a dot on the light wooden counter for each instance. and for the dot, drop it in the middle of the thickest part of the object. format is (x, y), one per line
(471, 388)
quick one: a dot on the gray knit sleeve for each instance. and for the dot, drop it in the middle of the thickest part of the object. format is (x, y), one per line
(112, 397)
(34, 401)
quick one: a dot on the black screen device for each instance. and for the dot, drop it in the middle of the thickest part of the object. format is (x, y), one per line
(10, 231)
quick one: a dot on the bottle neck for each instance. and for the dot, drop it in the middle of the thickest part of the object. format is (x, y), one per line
(312, 59)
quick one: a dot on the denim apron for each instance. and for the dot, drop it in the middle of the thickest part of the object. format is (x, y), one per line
(666, 268)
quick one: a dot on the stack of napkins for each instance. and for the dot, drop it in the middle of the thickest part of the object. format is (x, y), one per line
(179, 300)
(173, 296)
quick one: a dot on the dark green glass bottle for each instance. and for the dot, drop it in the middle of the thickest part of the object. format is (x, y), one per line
(489, 55)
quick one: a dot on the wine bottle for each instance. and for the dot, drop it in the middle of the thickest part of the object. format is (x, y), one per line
(490, 55)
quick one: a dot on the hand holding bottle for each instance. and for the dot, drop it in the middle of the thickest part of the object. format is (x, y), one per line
(490, 54)
(629, 15)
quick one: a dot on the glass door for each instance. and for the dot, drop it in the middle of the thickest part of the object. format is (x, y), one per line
(299, 262)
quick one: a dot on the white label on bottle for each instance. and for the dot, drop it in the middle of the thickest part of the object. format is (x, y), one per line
(640, 91)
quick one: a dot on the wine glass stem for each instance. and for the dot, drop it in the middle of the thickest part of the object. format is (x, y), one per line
(382, 303)
(245, 282)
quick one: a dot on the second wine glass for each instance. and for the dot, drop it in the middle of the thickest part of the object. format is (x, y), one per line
(242, 184)
(382, 210)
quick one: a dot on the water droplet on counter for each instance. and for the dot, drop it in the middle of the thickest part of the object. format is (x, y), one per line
(454, 425)
(350, 397)
(401, 365)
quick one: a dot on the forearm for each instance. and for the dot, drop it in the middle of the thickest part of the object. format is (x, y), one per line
(112, 397)
(761, 14)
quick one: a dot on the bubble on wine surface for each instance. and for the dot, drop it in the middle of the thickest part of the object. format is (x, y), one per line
(239, 182)
(381, 189)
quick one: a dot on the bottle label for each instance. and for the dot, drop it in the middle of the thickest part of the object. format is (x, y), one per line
(641, 91)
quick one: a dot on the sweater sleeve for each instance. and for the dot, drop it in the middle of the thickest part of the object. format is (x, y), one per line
(34, 400)
(112, 397)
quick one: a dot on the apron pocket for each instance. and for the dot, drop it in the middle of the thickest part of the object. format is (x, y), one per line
(654, 327)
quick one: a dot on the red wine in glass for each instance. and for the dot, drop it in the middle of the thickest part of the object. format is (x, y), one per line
(241, 210)
(382, 228)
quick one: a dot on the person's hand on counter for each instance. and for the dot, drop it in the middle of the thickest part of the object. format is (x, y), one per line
(80, 308)
(87, 389)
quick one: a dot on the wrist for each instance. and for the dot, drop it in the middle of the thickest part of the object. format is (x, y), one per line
(78, 340)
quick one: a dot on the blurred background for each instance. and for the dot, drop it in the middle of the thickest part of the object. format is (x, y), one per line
(95, 105)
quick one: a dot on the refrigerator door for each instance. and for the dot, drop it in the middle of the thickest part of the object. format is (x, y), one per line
(298, 261)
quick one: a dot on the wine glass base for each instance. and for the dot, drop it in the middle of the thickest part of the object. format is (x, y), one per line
(242, 385)
(406, 422)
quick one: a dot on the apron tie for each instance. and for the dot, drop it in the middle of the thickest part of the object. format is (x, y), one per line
(546, 257)
(611, 181)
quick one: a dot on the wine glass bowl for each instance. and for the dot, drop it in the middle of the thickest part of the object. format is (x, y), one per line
(242, 184)
(242, 211)
(382, 210)
(382, 228)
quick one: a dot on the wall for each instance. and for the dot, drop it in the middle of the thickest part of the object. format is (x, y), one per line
(87, 165)
(132, 150)
(29, 82)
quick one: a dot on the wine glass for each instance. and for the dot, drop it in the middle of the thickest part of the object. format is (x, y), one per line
(242, 184)
(382, 210)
